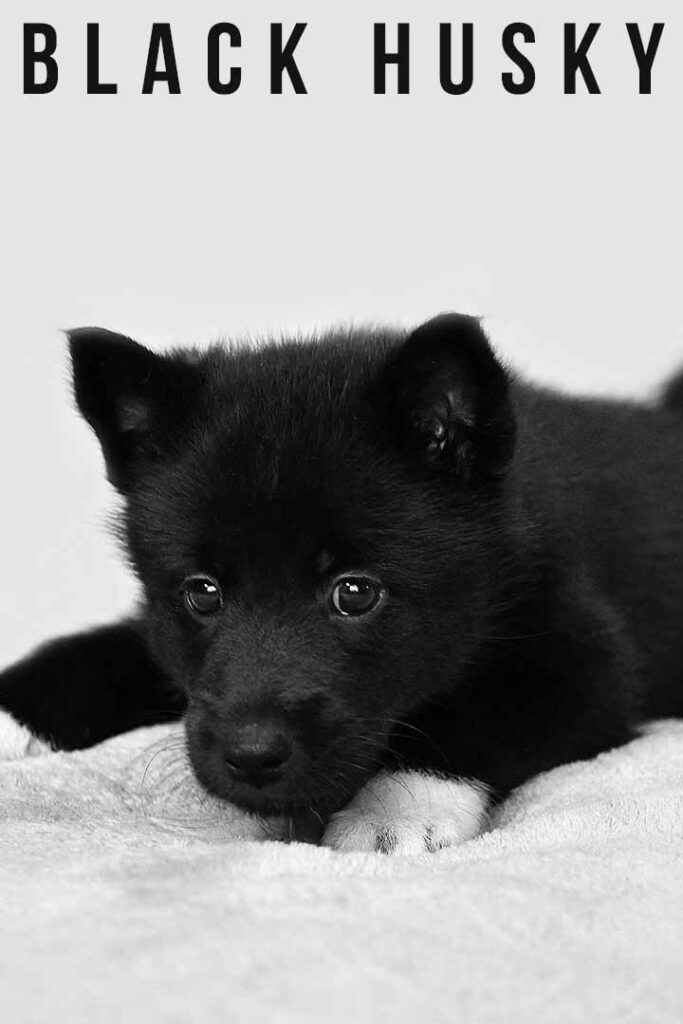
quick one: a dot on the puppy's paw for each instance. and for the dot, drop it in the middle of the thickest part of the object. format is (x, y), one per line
(16, 741)
(409, 812)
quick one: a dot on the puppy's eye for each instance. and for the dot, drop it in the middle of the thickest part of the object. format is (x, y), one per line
(202, 596)
(356, 595)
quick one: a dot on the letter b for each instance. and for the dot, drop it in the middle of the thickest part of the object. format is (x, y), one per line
(45, 56)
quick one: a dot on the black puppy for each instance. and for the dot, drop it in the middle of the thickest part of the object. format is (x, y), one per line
(383, 582)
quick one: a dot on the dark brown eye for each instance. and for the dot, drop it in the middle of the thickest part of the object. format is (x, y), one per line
(202, 596)
(356, 595)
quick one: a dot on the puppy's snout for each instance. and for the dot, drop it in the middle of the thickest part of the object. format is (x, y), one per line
(256, 751)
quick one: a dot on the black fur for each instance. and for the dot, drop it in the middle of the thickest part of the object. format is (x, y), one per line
(80, 690)
(530, 546)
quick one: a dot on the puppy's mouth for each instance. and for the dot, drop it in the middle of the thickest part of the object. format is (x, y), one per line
(316, 788)
(307, 785)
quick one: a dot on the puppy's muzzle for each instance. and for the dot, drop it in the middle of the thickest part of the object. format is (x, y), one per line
(256, 752)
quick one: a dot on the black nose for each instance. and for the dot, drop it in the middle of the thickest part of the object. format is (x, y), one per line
(257, 751)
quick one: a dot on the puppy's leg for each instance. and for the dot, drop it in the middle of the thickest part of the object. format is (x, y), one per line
(79, 690)
(404, 812)
(564, 691)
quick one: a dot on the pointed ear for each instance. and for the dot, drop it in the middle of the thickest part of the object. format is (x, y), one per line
(450, 399)
(136, 401)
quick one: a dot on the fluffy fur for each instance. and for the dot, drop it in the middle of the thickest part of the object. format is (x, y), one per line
(528, 548)
(409, 812)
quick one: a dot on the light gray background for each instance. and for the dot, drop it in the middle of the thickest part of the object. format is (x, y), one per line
(178, 219)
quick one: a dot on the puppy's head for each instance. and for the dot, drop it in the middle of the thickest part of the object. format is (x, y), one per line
(316, 527)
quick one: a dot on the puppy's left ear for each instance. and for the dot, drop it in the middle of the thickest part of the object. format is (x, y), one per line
(137, 402)
(450, 401)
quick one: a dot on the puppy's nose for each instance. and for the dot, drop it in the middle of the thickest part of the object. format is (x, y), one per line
(257, 751)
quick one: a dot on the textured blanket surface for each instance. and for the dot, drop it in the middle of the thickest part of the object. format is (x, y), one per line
(126, 895)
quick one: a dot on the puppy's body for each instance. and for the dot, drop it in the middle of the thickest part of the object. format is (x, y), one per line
(606, 481)
(514, 605)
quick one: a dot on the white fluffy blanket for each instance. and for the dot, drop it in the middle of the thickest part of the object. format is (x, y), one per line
(126, 896)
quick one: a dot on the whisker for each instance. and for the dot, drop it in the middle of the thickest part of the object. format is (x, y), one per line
(155, 755)
(318, 816)
(419, 732)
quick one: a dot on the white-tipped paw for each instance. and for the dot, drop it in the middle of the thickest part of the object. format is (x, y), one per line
(409, 812)
(16, 741)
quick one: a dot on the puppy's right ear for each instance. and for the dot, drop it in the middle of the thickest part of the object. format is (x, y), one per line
(450, 400)
(137, 402)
